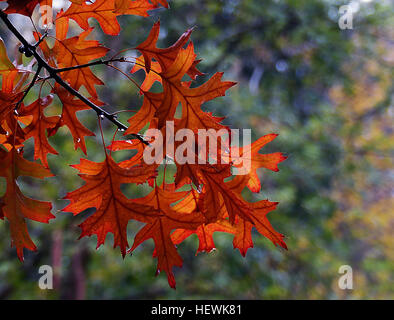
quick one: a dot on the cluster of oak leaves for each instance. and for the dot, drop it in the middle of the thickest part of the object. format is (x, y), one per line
(213, 202)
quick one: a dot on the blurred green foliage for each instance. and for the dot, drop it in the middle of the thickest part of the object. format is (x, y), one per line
(326, 91)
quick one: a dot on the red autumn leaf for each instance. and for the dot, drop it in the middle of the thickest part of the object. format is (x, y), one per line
(223, 199)
(102, 191)
(165, 57)
(77, 51)
(227, 202)
(7, 104)
(172, 64)
(121, 6)
(204, 233)
(268, 161)
(193, 116)
(151, 77)
(11, 133)
(243, 236)
(69, 118)
(7, 70)
(160, 229)
(152, 102)
(134, 144)
(254, 213)
(105, 12)
(15, 206)
(175, 91)
(38, 127)
(25, 7)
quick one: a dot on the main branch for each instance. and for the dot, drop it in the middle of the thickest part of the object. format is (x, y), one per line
(30, 50)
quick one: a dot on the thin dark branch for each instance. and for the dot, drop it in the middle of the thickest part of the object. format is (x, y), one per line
(30, 50)
(41, 39)
(94, 63)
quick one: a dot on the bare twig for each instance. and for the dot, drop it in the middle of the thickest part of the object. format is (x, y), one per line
(41, 39)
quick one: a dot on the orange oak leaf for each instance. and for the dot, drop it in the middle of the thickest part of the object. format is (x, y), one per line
(11, 134)
(76, 51)
(190, 98)
(7, 70)
(259, 210)
(25, 7)
(102, 191)
(121, 6)
(69, 118)
(146, 113)
(193, 117)
(151, 77)
(243, 236)
(105, 12)
(204, 233)
(160, 229)
(10, 131)
(258, 216)
(243, 228)
(223, 199)
(154, 74)
(38, 127)
(175, 91)
(12, 139)
(247, 216)
(133, 144)
(268, 161)
(165, 57)
(7, 104)
(14, 205)
(176, 62)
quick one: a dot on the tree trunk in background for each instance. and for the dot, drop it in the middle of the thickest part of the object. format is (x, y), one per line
(57, 251)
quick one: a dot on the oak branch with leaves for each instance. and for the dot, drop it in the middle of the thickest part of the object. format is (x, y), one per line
(212, 201)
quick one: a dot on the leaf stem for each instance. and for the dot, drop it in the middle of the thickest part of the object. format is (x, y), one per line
(94, 63)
